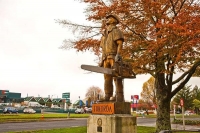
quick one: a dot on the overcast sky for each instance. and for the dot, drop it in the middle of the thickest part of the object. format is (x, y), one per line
(31, 62)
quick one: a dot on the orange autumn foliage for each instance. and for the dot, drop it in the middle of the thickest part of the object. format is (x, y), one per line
(164, 30)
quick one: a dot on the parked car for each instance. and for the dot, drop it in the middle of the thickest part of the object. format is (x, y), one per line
(10, 110)
(187, 112)
(79, 111)
(178, 112)
(29, 111)
(88, 110)
(140, 112)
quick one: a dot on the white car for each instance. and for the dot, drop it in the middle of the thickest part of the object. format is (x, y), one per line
(89, 110)
(79, 111)
(187, 113)
(140, 112)
(29, 111)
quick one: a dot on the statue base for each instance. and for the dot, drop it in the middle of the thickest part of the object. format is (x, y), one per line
(111, 117)
(117, 123)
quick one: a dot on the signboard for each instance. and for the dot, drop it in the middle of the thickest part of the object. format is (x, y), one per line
(66, 95)
(181, 102)
(136, 97)
(103, 108)
(4, 92)
(131, 96)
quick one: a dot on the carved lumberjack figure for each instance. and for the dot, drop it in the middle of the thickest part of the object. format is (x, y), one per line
(111, 44)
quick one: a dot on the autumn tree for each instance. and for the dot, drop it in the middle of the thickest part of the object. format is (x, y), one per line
(93, 93)
(148, 93)
(161, 38)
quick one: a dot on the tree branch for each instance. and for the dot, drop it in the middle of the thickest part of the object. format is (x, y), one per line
(189, 74)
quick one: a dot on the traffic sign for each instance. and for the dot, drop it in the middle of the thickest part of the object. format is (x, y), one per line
(181, 102)
(136, 97)
(66, 95)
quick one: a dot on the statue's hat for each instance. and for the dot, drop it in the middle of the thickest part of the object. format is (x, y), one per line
(114, 16)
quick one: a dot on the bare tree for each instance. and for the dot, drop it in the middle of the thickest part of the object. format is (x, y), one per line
(93, 93)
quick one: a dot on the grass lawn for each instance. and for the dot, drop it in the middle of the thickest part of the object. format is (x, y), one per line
(140, 129)
(83, 130)
(36, 117)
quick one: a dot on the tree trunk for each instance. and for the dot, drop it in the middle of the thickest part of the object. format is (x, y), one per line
(163, 105)
(163, 115)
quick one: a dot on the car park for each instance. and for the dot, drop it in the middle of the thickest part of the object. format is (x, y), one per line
(10, 110)
(79, 111)
(29, 111)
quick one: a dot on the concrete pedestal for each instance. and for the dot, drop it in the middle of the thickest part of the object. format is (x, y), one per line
(116, 123)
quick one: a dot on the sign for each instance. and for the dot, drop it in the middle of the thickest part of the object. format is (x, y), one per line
(181, 102)
(131, 96)
(103, 108)
(4, 92)
(66, 95)
(136, 97)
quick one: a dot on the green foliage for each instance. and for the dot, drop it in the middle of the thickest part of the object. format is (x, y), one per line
(186, 95)
(187, 122)
(196, 103)
(196, 93)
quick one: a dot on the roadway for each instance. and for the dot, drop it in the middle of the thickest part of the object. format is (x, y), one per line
(64, 123)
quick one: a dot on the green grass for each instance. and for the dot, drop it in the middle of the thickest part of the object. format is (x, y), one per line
(59, 130)
(36, 117)
(140, 129)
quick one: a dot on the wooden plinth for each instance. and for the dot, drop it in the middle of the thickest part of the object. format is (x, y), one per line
(116, 123)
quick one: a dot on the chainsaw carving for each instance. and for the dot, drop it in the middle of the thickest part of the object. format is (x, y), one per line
(112, 65)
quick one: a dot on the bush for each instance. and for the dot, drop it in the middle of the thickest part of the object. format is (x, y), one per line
(187, 122)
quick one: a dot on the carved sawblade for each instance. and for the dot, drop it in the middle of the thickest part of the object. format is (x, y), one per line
(117, 71)
(98, 69)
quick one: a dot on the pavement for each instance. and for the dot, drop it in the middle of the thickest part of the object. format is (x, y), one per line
(152, 124)
(187, 127)
(173, 126)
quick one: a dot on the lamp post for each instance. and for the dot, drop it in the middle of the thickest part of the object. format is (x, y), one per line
(79, 102)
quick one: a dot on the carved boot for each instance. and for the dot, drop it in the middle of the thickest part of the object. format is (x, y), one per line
(120, 97)
(106, 98)
(113, 98)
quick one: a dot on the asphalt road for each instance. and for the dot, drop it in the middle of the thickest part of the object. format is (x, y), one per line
(7, 127)
(64, 123)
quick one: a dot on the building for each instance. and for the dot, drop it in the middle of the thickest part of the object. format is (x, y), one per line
(10, 97)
